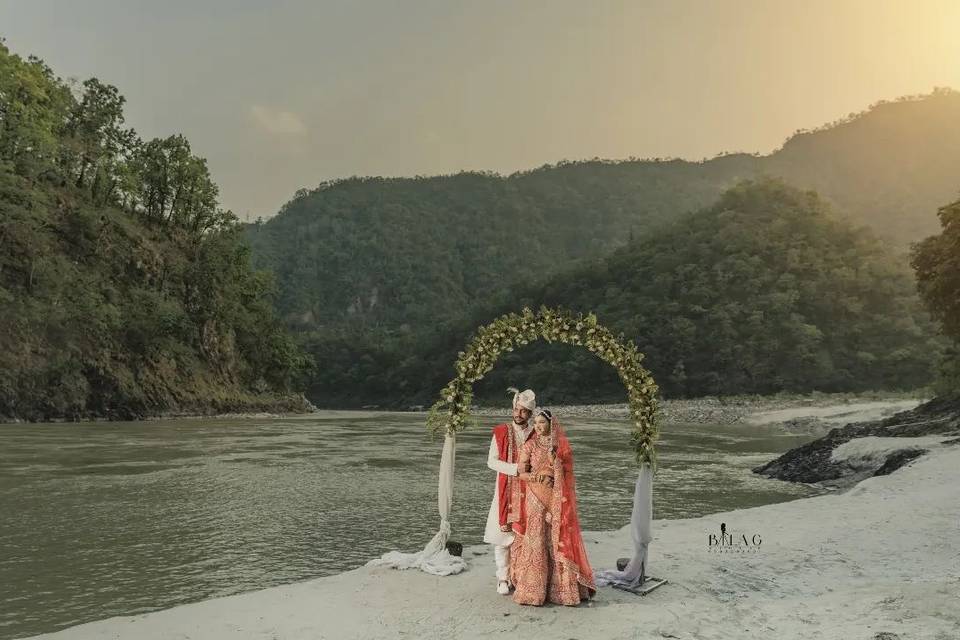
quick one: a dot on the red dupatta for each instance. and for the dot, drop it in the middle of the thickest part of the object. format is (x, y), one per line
(567, 538)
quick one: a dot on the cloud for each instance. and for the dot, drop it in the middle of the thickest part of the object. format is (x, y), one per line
(277, 121)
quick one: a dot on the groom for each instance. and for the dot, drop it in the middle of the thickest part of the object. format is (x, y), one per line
(507, 492)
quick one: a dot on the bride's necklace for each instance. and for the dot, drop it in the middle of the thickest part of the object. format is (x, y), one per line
(543, 442)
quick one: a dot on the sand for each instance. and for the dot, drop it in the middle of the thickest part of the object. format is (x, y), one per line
(836, 415)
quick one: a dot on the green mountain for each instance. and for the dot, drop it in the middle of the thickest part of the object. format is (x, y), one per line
(369, 270)
(124, 290)
(390, 252)
(764, 291)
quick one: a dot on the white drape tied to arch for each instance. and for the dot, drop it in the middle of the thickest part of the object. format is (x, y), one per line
(640, 530)
(434, 558)
(437, 560)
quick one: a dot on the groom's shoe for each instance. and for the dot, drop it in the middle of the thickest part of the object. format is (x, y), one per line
(503, 588)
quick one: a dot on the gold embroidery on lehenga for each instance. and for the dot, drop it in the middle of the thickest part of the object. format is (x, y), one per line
(539, 572)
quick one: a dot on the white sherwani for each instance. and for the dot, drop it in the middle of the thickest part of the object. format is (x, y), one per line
(491, 533)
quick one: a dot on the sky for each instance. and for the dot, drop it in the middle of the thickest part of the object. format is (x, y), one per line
(286, 94)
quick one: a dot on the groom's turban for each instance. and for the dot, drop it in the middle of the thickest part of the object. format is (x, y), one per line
(526, 399)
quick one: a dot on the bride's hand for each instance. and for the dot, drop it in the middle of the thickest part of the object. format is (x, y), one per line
(544, 478)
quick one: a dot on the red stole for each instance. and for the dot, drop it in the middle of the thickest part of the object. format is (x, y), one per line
(509, 488)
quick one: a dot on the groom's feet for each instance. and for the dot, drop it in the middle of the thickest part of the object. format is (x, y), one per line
(503, 587)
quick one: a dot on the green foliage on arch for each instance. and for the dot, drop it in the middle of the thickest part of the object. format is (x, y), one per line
(513, 330)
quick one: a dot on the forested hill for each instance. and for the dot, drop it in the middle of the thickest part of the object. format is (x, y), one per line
(765, 290)
(125, 291)
(374, 254)
(890, 168)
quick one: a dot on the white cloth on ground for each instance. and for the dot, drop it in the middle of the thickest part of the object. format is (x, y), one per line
(434, 558)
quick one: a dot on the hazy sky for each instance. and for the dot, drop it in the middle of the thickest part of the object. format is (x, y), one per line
(288, 93)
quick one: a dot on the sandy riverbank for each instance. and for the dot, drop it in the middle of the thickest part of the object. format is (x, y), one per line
(883, 557)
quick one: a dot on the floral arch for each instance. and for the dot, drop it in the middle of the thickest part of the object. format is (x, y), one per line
(450, 415)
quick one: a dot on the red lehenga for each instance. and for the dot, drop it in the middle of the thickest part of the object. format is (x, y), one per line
(548, 561)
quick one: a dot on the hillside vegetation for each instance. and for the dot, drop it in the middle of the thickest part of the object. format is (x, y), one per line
(125, 290)
(401, 252)
(766, 290)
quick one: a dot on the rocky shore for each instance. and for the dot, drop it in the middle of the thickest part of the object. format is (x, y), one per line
(848, 454)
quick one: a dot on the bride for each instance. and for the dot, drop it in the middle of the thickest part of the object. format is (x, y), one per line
(547, 559)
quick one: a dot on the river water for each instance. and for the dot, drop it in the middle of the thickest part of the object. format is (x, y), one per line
(107, 519)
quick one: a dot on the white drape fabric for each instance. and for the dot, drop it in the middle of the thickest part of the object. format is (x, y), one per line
(434, 558)
(640, 530)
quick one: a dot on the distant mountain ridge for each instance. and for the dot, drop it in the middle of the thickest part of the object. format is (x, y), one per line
(373, 273)
(395, 253)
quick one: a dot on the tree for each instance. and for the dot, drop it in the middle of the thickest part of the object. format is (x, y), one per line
(936, 261)
(95, 142)
(32, 110)
(120, 311)
(174, 186)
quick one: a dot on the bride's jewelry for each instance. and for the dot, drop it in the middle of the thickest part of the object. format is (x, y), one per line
(543, 442)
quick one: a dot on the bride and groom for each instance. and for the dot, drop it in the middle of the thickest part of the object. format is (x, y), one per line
(532, 523)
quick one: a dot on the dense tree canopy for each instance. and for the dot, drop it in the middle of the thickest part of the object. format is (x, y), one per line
(125, 290)
(937, 264)
(764, 291)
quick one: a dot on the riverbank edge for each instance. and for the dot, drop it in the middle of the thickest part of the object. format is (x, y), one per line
(233, 406)
(700, 410)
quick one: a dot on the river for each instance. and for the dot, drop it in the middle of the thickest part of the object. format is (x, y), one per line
(106, 519)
